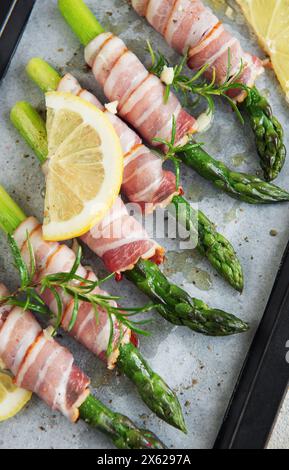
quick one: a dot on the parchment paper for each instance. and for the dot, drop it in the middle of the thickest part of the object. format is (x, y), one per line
(202, 370)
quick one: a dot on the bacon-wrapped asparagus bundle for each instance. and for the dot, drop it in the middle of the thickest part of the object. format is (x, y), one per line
(40, 365)
(95, 335)
(176, 305)
(140, 97)
(145, 182)
(191, 27)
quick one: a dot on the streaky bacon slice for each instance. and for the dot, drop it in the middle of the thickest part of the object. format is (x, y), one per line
(39, 363)
(140, 6)
(24, 331)
(158, 12)
(4, 308)
(145, 182)
(107, 58)
(120, 240)
(190, 26)
(140, 94)
(52, 258)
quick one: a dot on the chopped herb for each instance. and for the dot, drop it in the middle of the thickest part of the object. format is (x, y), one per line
(173, 150)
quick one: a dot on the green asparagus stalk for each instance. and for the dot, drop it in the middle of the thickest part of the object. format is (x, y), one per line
(11, 216)
(133, 365)
(219, 325)
(268, 134)
(241, 186)
(179, 308)
(154, 391)
(82, 21)
(211, 244)
(24, 118)
(123, 433)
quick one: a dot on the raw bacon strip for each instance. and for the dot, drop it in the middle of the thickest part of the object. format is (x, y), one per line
(191, 26)
(140, 94)
(158, 12)
(24, 331)
(48, 370)
(40, 364)
(140, 6)
(144, 182)
(120, 240)
(107, 58)
(52, 258)
(4, 308)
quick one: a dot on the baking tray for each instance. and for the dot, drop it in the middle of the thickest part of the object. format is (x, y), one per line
(14, 15)
(263, 381)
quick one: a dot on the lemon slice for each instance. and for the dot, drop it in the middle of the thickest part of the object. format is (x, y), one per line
(12, 398)
(84, 167)
(270, 20)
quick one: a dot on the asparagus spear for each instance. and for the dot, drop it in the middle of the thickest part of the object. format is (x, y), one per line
(81, 19)
(211, 244)
(179, 308)
(268, 134)
(122, 431)
(137, 369)
(241, 186)
(218, 326)
(151, 387)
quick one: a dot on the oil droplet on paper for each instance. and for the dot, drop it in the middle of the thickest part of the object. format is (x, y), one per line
(200, 278)
(186, 263)
(232, 214)
(194, 192)
(102, 378)
(239, 159)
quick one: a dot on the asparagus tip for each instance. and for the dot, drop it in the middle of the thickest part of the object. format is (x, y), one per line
(239, 287)
(158, 396)
(243, 327)
(269, 134)
(182, 427)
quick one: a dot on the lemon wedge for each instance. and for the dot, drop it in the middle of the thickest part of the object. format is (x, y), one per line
(12, 398)
(270, 21)
(84, 167)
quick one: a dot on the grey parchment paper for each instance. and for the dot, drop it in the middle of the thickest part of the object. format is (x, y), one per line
(202, 370)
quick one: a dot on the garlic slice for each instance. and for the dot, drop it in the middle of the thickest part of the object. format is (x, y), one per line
(204, 121)
(167, 75)
(112, 107)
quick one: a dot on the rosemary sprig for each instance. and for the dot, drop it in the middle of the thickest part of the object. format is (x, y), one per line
(173, 150)
(194, 85)
(80, 289)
